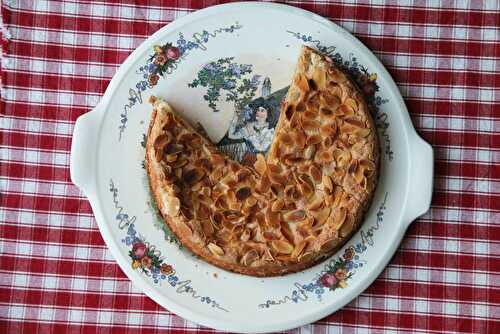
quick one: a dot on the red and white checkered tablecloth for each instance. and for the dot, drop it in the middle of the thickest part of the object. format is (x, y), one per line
(56, 273)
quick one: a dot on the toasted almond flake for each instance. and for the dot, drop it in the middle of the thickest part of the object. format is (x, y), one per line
(277, 179)
(313, 140)
(243, 193)
(346, 228)
(306, 257)
(330, 101)
(282, 246)
(305, 189)
(272, 218)
(173, 206)
(250, 257)
(300, 139)
(315, 203)
(277, 205)
(251, 201)
(310, 114)
(328, 129)
(275, 169)
(245, 236)
(260, 164)
(362, 133)
(301, 107)
(344, 110)
(299, 248)
(315, 173)
(287, 232)
(310, 125)
(285, 139)
(339, 218)
(215, 250)
(343, 159)
(351, 103)
(295, 216)
(355, 122)
(309, 152)
(321, 216)
(301, 83)
(329, 245)
(325, 156)
(353, 166)
(207, 227)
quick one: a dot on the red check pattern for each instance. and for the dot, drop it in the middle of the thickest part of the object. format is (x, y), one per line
(56, 274)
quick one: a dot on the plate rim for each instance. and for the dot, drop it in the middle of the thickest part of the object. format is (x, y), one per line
(94, 198)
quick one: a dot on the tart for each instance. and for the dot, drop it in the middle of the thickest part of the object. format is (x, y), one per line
(296, 206)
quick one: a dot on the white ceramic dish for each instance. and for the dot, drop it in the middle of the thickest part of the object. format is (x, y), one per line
(258, 42)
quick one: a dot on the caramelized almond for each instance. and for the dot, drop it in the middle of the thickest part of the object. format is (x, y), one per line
(315, 173)
(250, 257)
(295, 216)
(299, 248)
(282, 246)
(215, 250)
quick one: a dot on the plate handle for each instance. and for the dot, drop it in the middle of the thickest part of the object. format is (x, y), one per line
(421, 181)
(84, 150)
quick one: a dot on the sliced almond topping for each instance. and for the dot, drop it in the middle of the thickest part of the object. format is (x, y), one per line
(268, 235)
(298, 249)
(285, 139)
(277, 205)
(264, 185)
(243, 193)
(286, 232)
(251, 201)
(346, 228)
(300, 139)
(306, 257)
(339, 219)
(343, 159)
(325, 156)
(330, 100)
(309, 152)
(277, 179)
(321, 216)
(272, 218)
(249, 257)
(192, 176)
(313, 140)
(315, 203)
(310, 114)
(282, 246)
(328, 130)
(295, 216)
(315, 173)
(173, 206)
(245, 236)
(310, 125)
(215, 250)
(351, 103)
(362, 133)
(329, 245)
(207, 227)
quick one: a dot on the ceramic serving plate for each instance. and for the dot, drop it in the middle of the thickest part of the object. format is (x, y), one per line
(216, 67)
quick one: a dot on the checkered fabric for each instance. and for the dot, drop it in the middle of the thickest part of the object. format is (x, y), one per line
(56, 273)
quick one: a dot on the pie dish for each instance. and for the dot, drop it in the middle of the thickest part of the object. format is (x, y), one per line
(253, 46)
(289, 211)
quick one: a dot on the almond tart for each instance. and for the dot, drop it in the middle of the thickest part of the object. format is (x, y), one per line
(296, 206)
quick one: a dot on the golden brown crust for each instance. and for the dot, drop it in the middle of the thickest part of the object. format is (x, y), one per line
(293, 209)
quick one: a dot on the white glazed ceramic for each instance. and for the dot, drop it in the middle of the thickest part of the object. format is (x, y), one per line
(264, 39)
